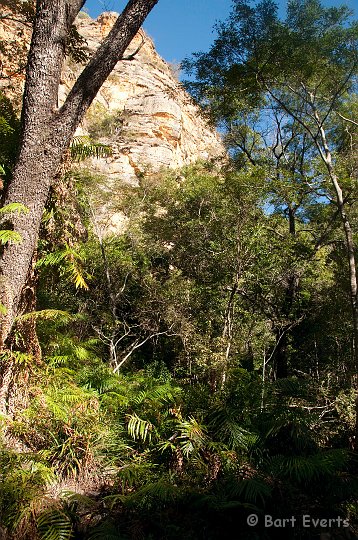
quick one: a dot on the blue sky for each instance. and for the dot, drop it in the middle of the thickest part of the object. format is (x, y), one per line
(181, 27)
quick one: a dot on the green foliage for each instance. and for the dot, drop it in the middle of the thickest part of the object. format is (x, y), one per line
(68, 261)
(83, 147)
(101, 123)
(9, 134)
(54, 524)
(139, 429)
(11, 237)
(14, 208)
(23, 479)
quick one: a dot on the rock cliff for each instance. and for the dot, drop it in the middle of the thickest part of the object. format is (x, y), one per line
(141, 111)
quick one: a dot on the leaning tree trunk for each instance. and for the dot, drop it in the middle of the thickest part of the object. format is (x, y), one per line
(47, 130)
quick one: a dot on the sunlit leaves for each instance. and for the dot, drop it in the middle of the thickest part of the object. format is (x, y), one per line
(11, 237)
(139, 429)
(69, 262)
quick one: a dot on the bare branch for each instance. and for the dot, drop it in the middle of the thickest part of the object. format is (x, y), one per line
(134, 54)
(347, 119)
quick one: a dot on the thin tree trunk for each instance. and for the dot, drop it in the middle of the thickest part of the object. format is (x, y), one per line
(350, 247)
(47, 131)
(281, 358)
(327, 158)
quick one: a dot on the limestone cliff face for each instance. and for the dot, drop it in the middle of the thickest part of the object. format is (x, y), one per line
(141, 111)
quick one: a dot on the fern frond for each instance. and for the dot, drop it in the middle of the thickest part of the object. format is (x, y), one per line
(69, 262)
(192, 436)
(54, 524)
(48, 314)
(133, 473)
(58, 360)
(162, 491)
(21, 359)
(105, 531)
(12, 237)
(80, 498)
(77, 276)
(139, 429)
(306, 469)
(161, 394)
(224, 424)
(11, 208)
(82, 147)
(253, 489)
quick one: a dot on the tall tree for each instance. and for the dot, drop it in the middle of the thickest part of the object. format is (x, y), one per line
(304, 69)
(47, 130)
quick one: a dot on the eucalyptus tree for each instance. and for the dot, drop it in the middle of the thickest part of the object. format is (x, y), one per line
(303, 70)
(47, 129)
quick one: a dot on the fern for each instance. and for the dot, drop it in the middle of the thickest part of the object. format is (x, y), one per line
(106, 530)
(69, 262)
(224, 424)
(23, 480)
(133, 473)
(82, 147)
(253, 490)
(139, 429)
(58, 360)
(192, 436)
(14, 207)
(54, 524)
(21, 359)
(11, 237)
(61, 316)
(159, 395)
(162, 491)
(307, 469)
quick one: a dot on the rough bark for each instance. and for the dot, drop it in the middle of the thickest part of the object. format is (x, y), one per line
(47, 130)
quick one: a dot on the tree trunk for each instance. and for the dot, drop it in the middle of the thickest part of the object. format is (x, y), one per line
(284, 336)
(47, 131)
(350, 247)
